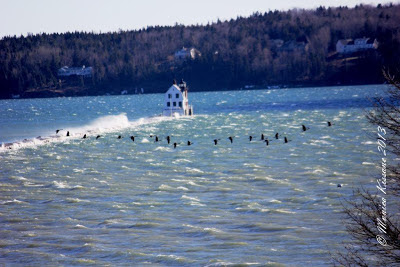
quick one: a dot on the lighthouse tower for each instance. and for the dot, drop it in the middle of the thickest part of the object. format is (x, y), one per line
(176, 101)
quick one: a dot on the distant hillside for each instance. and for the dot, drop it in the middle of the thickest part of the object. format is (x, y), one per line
(293, 48)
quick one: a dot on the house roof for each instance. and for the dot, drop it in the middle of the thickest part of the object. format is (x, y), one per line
(358, 40)
(346, 41)
(174, 86)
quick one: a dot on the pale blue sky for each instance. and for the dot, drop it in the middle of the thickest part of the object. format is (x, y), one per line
(29, 16)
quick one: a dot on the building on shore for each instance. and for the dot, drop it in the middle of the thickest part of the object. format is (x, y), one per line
(348, 46)
(78, 71)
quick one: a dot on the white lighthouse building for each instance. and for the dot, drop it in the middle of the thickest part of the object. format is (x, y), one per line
(176, 101)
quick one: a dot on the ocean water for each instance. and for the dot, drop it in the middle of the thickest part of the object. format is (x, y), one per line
(109, 201)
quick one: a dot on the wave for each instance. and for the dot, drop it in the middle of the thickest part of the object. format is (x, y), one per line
(101, 125)
(14, 201)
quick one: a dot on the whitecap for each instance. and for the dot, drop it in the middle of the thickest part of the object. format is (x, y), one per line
(30, 184)
(172, 257)
(76, 200)
(275, 201)
(193, 170)
(162, 148)
(14, 201)
(20, 178)
(190, 198)
(323, 142)
(367, 163)
(368, 143)
(183, 188)
(80, 226)
(164, 187)
(284, 211)
(194, 184)
(298, 189)
(61, 184)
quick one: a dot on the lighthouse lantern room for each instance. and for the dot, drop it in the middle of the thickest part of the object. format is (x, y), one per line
(176, 100)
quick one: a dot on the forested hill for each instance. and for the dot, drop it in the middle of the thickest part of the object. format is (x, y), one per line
(293, 48)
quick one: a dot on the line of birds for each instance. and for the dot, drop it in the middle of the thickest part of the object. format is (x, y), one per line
(175, 144)
(168, 138)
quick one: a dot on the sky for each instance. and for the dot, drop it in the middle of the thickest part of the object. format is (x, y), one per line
(20, 17)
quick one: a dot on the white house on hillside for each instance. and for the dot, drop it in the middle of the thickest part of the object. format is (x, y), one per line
(176, 101)
(79, 71)
(184, 53)
(346, 46)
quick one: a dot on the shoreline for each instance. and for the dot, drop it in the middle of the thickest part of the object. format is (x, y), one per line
(56, 93)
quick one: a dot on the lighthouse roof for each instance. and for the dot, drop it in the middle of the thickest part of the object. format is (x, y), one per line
(174, 86)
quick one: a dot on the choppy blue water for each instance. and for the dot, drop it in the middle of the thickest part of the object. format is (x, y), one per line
(74, 201)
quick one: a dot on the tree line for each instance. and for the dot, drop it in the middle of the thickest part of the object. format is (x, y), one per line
(244, 51)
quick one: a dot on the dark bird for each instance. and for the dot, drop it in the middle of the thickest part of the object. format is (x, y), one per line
(119, 136)
(156, 139)
(262, 136)
(216, 141)
(339, 185)
(250, 138)
(67, 133)
(329, 124)
(277, 135)
(286, 140)
(133, 138)
(58, 130)
(97, 137)
(189, 143)
(266, 142)
(304, 127)
(230, 139)
(84, 137)
(175, 144)
(168, 139)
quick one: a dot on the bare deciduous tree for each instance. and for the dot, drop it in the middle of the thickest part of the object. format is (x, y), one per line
(373, 219)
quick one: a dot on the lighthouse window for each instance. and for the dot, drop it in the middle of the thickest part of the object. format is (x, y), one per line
(174, 104)
(168, 104)
(169, 95)
(180, 104)
(177, 95)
